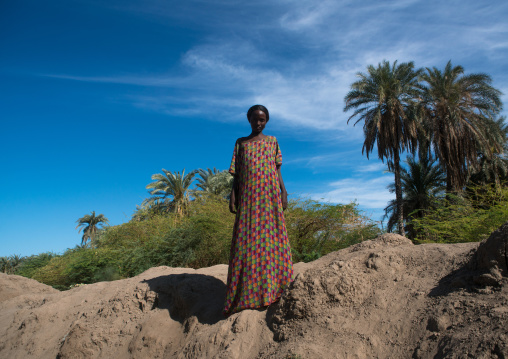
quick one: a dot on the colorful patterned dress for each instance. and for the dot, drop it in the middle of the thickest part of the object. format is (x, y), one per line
(260, 264)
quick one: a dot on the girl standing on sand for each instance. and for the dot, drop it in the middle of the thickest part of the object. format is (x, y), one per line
(260, 264)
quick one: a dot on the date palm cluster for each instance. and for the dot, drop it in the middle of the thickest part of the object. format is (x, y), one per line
(444, 116)
(170, 193)
(9, 264)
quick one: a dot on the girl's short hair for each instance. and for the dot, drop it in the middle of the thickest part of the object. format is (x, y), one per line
(258, 108)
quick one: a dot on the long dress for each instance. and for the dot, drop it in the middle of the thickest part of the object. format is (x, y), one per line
(260, 264)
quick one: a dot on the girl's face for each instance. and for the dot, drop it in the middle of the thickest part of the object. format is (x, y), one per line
(258, 121)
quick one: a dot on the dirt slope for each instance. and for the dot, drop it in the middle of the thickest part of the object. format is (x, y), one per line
(385, 298)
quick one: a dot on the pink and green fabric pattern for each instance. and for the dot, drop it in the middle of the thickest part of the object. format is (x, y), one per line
(260, 264)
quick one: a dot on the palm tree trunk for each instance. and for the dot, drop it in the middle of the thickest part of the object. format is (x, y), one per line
(398, 193)
(449, 186)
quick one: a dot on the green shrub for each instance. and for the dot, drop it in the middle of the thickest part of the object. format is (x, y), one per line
(467, 218)
(90, 265)
(54, 273)
(174, 250)
(211, 222)
(134, 233)
(200, 240)
(30, 265)
(316, 229)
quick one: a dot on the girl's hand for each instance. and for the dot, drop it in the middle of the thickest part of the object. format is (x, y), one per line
(284, 199)
(232, 202)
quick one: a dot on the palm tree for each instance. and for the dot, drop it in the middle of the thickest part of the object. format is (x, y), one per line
(206, 175)
(385, 99)
(5, 264)
(14, 261)
(169, 191)
(458, 110)
(89, 224)
(494, 169)
(422, 183)
(215, 182)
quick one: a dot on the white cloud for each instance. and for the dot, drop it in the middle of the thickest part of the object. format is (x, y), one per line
(342, 160)
(136, 80)
(301, 58)
(301, 101)
(369, 193)
(309, 14)
(373, 167)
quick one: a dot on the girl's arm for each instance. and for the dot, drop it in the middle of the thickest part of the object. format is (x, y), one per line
(232, 199)
(283, 193)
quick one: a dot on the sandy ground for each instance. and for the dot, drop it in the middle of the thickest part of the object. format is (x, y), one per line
(384, 298)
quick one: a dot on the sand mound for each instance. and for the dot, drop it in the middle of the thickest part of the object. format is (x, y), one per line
(384, 298)
(13, 285)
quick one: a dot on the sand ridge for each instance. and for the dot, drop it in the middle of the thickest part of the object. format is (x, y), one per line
(384, 298)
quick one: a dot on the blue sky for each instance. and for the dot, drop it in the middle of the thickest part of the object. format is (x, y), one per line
(96, 96)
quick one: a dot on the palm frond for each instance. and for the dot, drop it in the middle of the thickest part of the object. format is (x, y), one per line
(169, 191)
(459, 109)
(89, 224)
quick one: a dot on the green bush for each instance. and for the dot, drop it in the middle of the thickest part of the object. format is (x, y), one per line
(90, 265)
(136, 233)
(467, 218)
(29, 265)
(176, 249)
(79, 265)
(201, 239)
(54, 273)
(316, 229)
(211, 222)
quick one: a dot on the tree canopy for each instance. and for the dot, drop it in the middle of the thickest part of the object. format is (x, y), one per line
(89, 224)
(385, 99)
